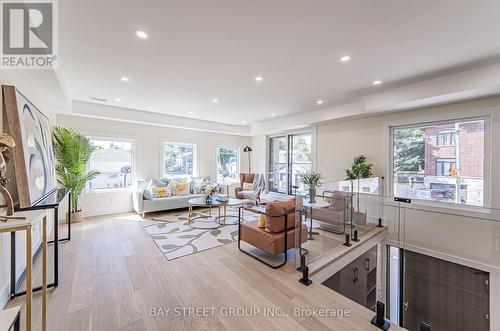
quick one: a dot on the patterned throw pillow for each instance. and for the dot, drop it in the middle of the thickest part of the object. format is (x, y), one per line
(247, 186)
(149, 189)
(182, 188)
(161, 192)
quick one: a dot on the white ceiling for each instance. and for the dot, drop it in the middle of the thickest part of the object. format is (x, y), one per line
(200, 50)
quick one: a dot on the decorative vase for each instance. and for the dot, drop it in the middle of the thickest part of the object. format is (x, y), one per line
(208, 199)
(312, 195)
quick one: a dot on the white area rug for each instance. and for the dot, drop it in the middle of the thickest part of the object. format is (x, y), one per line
(177, 239)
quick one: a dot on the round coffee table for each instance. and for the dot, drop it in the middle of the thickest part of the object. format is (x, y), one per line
(202, 202)
(222, 220)
(218, 221)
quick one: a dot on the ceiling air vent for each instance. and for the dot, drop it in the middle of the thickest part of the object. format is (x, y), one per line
(99, 99)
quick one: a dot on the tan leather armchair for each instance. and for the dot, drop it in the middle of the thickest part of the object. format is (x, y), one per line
(279, 233)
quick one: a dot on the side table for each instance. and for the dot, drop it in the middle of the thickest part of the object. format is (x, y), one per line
(30, 218)
(318, 204)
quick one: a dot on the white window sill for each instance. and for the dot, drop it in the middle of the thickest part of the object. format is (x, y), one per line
(453, 209)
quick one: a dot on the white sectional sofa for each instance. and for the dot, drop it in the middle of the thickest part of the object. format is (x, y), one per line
(143, 205)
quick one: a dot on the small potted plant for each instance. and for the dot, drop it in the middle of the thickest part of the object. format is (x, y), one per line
(72, 151)
(312, 180)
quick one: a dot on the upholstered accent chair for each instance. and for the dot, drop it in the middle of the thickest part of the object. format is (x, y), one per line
(277, 235)
(256, 183)
(339, 212)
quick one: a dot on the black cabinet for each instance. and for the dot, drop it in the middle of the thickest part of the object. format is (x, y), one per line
(358, 280)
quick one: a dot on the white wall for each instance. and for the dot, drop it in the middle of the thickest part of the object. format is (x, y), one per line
(147, 145)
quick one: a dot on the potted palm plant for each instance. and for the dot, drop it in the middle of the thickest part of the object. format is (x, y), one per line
(312, 180)
(72, 151)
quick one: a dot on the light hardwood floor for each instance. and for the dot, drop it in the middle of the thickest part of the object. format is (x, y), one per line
(112, 274)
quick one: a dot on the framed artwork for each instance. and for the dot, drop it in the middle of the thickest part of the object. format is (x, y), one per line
(33, 156)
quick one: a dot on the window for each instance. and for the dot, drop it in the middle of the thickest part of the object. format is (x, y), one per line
(289, 158)
(440, 162)
(114, 159)
(445, 138)
(228, 164)
(445, 167)
(178, 159)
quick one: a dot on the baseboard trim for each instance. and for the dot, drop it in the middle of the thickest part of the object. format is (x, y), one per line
(102, 212)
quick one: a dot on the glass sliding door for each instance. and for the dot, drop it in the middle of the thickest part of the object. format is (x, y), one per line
(278, 164)
(289, 158)
(301, 160)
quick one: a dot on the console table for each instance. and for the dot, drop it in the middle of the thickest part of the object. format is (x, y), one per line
(26, 224)
(52, 201)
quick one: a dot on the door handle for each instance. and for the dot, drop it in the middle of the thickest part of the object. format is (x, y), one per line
(356, 273)
(367, 264)
(405, 306)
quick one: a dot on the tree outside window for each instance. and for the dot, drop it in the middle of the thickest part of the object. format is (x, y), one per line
(178, 159)
(228, 164)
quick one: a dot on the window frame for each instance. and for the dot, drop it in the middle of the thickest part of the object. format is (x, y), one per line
(162, 159)
(485, 115)
(238, 160)
(133, 178)
(443, 161)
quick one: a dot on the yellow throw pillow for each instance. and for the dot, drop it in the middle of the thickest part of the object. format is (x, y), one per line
(161, 192)
(262, 221)
(182, 188)
(247, 186)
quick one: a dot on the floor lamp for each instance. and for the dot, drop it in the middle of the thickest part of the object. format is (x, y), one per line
(248, 149)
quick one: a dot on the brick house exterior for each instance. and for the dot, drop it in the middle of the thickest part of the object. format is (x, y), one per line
(471, 144)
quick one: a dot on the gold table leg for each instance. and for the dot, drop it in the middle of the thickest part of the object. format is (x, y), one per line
(190, 209)
(29, 289)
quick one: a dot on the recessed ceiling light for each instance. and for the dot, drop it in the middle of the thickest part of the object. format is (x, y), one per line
(215, 100)
(319, 102)
(259, 78)
(124, 79)
(273, 114)
(345, 58)
(377, 82)
(191, 112)
(243, 122)
(141, 34)
(117, 99)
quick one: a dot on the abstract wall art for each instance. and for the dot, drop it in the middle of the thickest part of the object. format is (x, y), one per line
(34, 161)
